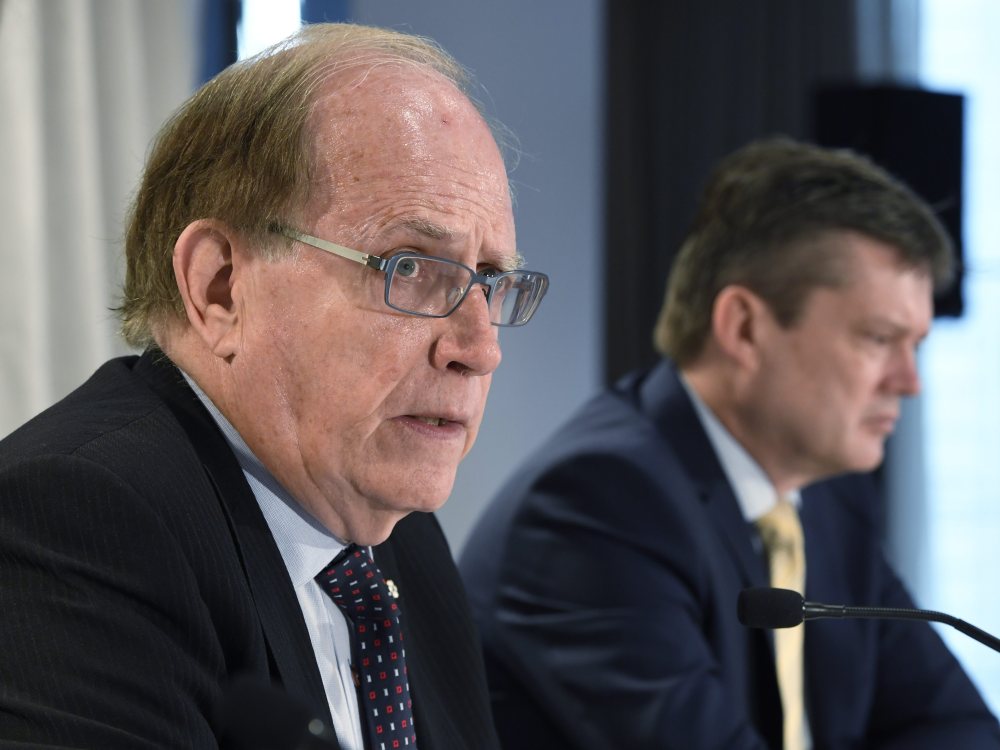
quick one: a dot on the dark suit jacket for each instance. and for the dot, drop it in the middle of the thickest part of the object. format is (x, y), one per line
(605, 577)
(137, 576)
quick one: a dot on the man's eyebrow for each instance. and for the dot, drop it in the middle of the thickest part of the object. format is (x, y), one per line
(896, 328)
(427, 228)
(506, 261)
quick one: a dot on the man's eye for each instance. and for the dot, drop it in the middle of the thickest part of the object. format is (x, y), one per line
(407, 267)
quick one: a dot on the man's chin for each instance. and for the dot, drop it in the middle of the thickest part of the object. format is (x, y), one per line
(429, 497)
(375, 528)
(867, 461)
(379, 526)
(431, 502)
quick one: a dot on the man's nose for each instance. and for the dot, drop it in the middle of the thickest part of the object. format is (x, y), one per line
(905, 377)
(468, 341)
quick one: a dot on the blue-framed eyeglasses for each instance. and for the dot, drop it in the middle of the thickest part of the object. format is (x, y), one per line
(431, 287)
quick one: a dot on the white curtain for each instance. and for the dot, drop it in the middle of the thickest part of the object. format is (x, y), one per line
(84, 84)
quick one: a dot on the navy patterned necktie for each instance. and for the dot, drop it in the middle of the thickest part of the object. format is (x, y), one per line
(367, 600)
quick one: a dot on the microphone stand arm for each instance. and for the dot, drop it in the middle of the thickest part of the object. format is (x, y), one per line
(814, 610)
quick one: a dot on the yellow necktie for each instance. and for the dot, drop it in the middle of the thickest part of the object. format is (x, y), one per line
(782, 535)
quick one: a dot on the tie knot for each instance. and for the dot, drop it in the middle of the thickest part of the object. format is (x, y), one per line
(357, 586)
(781, 533)
(780, 527)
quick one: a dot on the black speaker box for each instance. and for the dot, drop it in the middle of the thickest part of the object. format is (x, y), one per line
(915, 134)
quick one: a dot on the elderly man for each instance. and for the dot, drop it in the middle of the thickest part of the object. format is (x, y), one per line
(606, 576)
(319, 255)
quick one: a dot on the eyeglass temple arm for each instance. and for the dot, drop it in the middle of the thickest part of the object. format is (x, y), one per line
(372, 261)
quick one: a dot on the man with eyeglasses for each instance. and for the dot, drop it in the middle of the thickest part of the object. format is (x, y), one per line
(319, 257)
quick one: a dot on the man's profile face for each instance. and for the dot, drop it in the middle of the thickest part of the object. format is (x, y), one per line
(365, 412)
(829, 387)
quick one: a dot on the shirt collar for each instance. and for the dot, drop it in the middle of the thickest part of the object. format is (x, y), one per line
(755, 493)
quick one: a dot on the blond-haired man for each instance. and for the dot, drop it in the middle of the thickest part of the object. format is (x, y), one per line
(318, 257)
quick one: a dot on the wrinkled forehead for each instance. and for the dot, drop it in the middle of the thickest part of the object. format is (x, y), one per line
(398, 120)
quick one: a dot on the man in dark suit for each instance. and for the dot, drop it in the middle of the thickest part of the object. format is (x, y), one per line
(173, 524)
(605, 575)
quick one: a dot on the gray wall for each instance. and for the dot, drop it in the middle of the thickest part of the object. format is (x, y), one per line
(541, 65)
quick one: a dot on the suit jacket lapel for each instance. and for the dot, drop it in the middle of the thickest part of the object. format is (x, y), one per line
(450, 704)
(664, 399)
(280, 614)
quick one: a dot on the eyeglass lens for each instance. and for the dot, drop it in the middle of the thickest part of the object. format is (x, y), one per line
(435, 287)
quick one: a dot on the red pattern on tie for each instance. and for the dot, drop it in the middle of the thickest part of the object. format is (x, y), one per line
(357, 586)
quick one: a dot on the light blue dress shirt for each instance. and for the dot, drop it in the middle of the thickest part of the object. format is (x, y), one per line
(306, 548)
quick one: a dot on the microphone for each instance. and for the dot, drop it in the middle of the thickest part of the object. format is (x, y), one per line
(782, 608)
(254, 715)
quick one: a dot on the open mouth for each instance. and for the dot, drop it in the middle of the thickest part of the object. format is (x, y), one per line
(885, 423)
(434, 421)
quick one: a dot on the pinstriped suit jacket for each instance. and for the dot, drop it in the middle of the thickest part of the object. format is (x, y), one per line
(137, 576)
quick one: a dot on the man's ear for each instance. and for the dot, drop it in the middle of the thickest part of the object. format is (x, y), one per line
(739, 320)
(203, 267)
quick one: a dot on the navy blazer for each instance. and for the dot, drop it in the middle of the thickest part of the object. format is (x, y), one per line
(604, 579)
(138, 576)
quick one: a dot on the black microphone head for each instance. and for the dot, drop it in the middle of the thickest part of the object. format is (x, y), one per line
(769, 608)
